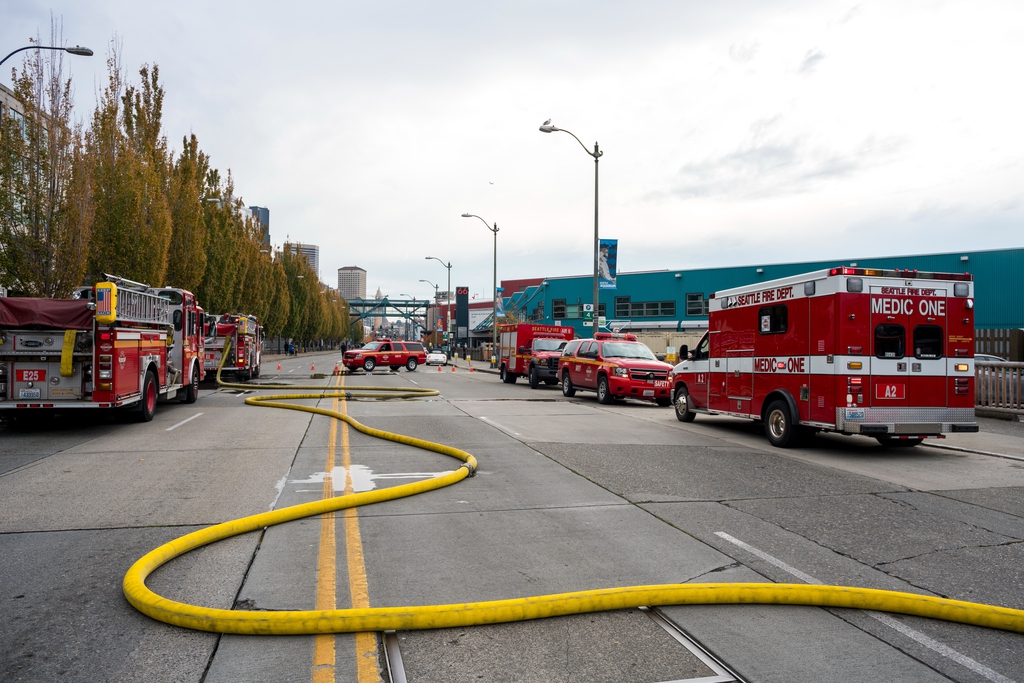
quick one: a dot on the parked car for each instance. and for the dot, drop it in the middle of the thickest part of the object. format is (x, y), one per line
(436, 357)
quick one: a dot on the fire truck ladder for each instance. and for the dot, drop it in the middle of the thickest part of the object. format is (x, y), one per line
(136, 305)
(140, 307)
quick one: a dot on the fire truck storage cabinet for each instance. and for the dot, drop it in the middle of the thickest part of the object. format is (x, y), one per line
(883, 353)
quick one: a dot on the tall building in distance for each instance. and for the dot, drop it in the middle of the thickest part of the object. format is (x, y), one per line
(310, 251)
(352, 282)
(262, 214)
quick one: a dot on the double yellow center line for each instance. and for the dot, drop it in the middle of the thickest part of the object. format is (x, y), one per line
(326, 589)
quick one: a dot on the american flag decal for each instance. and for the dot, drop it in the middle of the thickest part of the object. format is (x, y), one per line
(103, 301)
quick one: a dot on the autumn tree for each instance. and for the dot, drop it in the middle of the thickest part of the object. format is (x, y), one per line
(130, 178)
(45, 215)
(186, 257)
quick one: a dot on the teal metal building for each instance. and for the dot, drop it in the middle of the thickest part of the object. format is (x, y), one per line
(676, 300)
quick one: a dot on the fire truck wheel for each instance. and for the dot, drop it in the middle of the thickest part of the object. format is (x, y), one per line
(147, 407)
(682, 405)
(410, 365)
(191, 394)
(899, 443)
(369, 364)
(534, 379)
(567, 388)
(508, 377)
(604, 395)
(778, 425)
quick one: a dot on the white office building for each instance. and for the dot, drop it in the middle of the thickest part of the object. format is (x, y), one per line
(352, 282)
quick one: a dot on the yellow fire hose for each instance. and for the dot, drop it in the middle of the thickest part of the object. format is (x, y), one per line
(298, 622)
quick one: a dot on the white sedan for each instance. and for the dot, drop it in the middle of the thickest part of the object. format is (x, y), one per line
(437, 357)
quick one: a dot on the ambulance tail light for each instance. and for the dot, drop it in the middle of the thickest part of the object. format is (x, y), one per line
(962, 367)
(106, 366)
(854, 365)
(105, 386)
(962, 385)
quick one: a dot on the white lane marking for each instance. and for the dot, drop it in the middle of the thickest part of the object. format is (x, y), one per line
(501, 427)
(930, 643)
(183, 422)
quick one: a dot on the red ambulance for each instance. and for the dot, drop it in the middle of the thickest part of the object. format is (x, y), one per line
(884, 353)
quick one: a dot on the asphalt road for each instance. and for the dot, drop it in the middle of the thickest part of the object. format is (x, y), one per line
(569, 495)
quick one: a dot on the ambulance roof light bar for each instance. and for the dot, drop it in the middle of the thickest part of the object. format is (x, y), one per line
(879, 272)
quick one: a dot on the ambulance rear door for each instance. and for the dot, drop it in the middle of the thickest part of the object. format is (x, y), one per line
(908, 366)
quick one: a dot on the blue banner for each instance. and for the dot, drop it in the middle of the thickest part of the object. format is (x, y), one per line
(606, 265)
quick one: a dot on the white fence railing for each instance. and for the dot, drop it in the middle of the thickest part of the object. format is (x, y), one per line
(999, 386)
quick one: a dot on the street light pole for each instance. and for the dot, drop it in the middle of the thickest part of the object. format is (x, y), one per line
(76, 50)
(494, 306)
(448, 302)
(436, 303)
(597, 153)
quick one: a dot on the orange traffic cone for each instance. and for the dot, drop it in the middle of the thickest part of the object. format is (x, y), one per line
(278, 365)
(453, 367)
(439, 368)
(313, 368)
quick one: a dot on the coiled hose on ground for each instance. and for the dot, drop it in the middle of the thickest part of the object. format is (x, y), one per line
(298, 622)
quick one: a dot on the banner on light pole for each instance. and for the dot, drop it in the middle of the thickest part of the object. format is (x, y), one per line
(607, 262)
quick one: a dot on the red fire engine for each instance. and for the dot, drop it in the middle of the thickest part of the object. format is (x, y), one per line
(884, 353)
(246, 338)
(120, 343)
(531, 350)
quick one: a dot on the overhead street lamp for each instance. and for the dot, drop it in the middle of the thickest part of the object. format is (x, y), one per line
(448, 301)
(434, 286)
(494, 313)
(436, 303)
(546, 127)
(76, 50)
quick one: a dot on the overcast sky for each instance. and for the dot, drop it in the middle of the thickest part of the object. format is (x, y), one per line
(734, 133)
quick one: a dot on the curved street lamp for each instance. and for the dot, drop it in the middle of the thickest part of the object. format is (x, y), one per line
(546, 127)
(494, 308)
(76, 50)
(448, 301)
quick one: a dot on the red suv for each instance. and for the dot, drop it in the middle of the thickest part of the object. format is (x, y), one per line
(616, 366)
(393, 354)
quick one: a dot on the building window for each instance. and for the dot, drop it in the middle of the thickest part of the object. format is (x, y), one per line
(558, 308)
(696, 304)
(622, 307)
